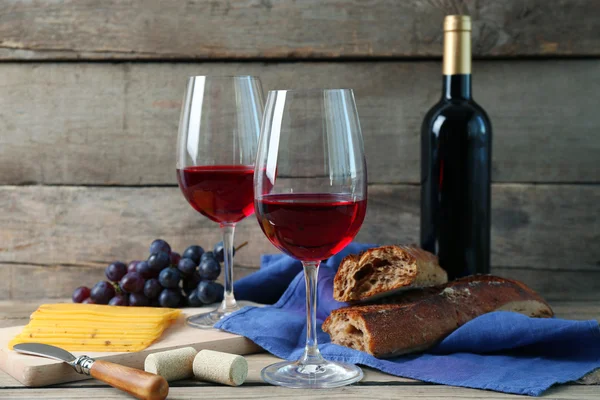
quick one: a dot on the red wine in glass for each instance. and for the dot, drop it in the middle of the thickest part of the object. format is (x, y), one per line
(223, 193)
(294, 223)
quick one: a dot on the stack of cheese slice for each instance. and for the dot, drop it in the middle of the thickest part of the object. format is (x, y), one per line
(96, 328)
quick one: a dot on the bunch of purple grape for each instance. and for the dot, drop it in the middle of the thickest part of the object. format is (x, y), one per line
(165, 279)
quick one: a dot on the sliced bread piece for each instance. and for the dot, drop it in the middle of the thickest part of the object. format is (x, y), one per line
(421, 318)
(385, 270)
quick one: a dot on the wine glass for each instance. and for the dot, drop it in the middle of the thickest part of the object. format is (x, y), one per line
(216, 149)
(310, 191)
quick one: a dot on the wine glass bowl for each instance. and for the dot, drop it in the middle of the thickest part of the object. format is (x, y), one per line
(222, 193)
(216, 150)
(294, 222)
(310, 191)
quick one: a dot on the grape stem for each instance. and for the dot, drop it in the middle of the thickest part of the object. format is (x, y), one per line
(241, 246)
(117, 288)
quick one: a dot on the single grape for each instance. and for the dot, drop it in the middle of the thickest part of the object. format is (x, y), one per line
(169, 278)
(190, 283)
(175, 257)
(102, 292)
(169, 298)
(207, 255)
(186, 266)
(219, 252)
(194, 300)
(152, 289)
(209, 269)
(115, 271)
(193, 253)
(80, 294)
(208, 292)
(88, 301)
(160, 245)
(118, 300)
(159, 261)
(143, 268)
(132, 282)
(132, 267)
(138, 300)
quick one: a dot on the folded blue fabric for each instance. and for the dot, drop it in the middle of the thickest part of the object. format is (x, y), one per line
(500, 351)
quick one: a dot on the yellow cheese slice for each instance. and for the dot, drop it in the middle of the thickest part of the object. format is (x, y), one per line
(98, 328)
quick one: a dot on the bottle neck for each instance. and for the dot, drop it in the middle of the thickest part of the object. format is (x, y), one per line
(457, 59)
(457, 87)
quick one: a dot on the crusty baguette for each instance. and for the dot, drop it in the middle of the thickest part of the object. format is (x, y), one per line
(385, 270)
(421, 318)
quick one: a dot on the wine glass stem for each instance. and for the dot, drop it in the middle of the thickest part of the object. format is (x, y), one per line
(311, 355)
(229, 304)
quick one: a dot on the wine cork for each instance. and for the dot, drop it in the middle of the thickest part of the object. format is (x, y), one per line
(225, 368)
(172, 364)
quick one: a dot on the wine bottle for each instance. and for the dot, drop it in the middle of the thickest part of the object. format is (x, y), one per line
(456, 152)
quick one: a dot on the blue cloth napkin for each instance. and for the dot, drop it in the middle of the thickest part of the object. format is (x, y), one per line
(500, 351)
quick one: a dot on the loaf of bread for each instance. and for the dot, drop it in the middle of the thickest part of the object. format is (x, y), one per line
(419, 319)
(382, 271)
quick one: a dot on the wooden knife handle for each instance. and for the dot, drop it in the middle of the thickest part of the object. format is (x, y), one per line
(140, 384)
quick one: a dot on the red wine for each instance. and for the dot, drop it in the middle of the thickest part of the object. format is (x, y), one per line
(456, 152)
(310, 227)
(223, 193)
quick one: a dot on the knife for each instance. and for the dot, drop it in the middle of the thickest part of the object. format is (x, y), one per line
(140, 384)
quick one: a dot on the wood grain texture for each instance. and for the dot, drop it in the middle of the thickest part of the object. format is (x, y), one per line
(6, 279)
(267, 29)
(577, 309)
(556, 285)
(593, 378)
(116, 124)
(542, 234)
(375, 392)
(14, 313)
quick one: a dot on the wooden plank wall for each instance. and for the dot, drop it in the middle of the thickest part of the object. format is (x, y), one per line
(90, 97)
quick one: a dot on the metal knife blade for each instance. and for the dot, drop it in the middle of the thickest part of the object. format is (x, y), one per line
(45, 350)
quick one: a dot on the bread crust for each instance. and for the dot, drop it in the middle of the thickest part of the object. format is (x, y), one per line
(385, 270)
(419, 319)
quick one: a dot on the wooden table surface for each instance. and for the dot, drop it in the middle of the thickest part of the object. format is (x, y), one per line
(375, 385)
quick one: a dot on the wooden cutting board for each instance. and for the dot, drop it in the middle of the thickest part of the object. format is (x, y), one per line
(39, 371)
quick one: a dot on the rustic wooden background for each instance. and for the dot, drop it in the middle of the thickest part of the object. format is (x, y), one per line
(90, 93)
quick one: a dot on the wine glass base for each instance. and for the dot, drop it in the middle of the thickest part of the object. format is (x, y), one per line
(208, 320)
(326, 374)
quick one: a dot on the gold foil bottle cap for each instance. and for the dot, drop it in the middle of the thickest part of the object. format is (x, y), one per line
(457, 45)
(457, 23)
